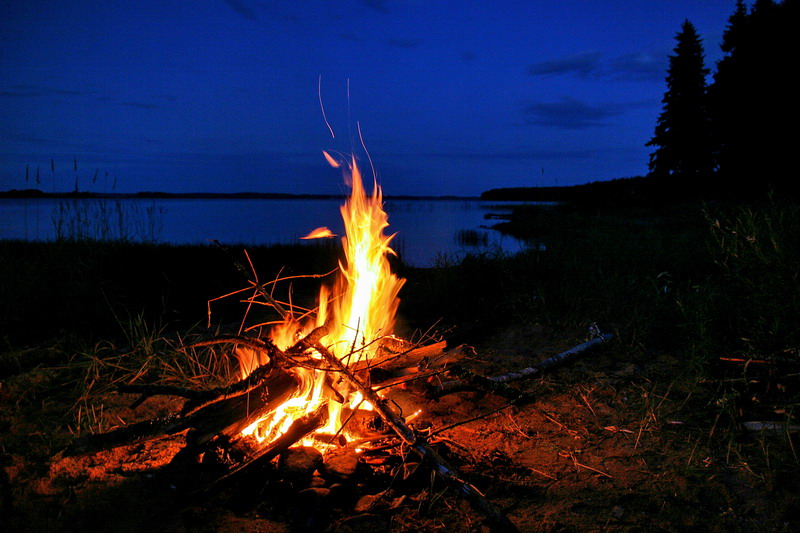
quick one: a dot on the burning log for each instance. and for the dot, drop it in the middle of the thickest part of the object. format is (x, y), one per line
(223, 411)
(419, 360)
(299, 429)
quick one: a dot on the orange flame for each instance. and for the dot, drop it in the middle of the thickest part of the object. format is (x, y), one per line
(319, 233)
(359, 309)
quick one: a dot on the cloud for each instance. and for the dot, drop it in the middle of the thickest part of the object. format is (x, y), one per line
(570, 113)
(583, 65)
(646, 65)
(239, 7)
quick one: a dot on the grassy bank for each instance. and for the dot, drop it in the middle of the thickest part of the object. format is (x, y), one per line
(709, 280)
(91, 290)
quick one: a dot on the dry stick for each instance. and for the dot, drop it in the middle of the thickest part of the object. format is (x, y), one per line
(261, 345)
(499, 385)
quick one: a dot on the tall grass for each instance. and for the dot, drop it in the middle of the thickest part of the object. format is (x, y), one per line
(749, 306)
(80, 219)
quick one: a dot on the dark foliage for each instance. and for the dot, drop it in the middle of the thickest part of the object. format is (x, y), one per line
(753, 100)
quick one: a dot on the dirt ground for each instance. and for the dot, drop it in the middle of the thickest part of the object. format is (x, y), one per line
(618, 440)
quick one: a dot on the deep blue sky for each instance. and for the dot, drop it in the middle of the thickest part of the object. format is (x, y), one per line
(453, 97)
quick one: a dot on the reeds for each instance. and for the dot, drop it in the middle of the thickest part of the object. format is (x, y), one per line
(100, 219)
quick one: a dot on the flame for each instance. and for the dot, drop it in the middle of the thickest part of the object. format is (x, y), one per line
(358, 309)
(320, 233)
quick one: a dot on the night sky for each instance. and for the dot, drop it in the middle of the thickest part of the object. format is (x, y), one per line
(452, 98)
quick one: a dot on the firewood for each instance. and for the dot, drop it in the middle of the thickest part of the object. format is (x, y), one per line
(230, 416)
(421, 357)
(233, 409)
(299, 429)
(198, 398)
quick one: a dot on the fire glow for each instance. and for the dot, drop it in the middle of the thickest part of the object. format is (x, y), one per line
(358, 309)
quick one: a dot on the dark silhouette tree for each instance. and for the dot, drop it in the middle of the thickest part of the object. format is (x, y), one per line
(753, 102)
(683, 157)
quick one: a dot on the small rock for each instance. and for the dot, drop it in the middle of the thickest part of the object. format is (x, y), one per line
(363, 523)
(298, 464)
(318, 481)
(340, 465)
(370, 502)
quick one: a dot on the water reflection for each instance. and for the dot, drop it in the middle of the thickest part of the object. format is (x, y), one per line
(427, 230)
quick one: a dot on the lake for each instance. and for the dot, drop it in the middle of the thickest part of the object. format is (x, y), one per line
(427, 230)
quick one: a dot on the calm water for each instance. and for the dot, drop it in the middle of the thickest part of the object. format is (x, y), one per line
(426, 229)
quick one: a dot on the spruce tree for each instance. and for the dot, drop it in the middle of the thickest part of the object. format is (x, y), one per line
(682, 139)
(753, 102)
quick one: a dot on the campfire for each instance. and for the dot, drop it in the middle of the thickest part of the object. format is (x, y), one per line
(322, 382)
(354, 318)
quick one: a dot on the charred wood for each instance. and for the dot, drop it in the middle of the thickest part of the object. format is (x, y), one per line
(231, 410)
(299, 429)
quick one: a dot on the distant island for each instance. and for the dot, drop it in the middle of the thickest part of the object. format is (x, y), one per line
(621, 191)
(37, 193)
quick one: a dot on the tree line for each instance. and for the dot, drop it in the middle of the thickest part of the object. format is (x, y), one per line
(737, 136)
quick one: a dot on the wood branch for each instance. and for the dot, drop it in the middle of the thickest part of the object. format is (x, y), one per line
(556, 360)
(308, 341)
(498, 384)
(125, 435)
(248, 342)
(380, 382)
(257, 378)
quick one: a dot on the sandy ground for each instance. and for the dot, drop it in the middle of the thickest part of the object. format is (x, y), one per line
(619, 440)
